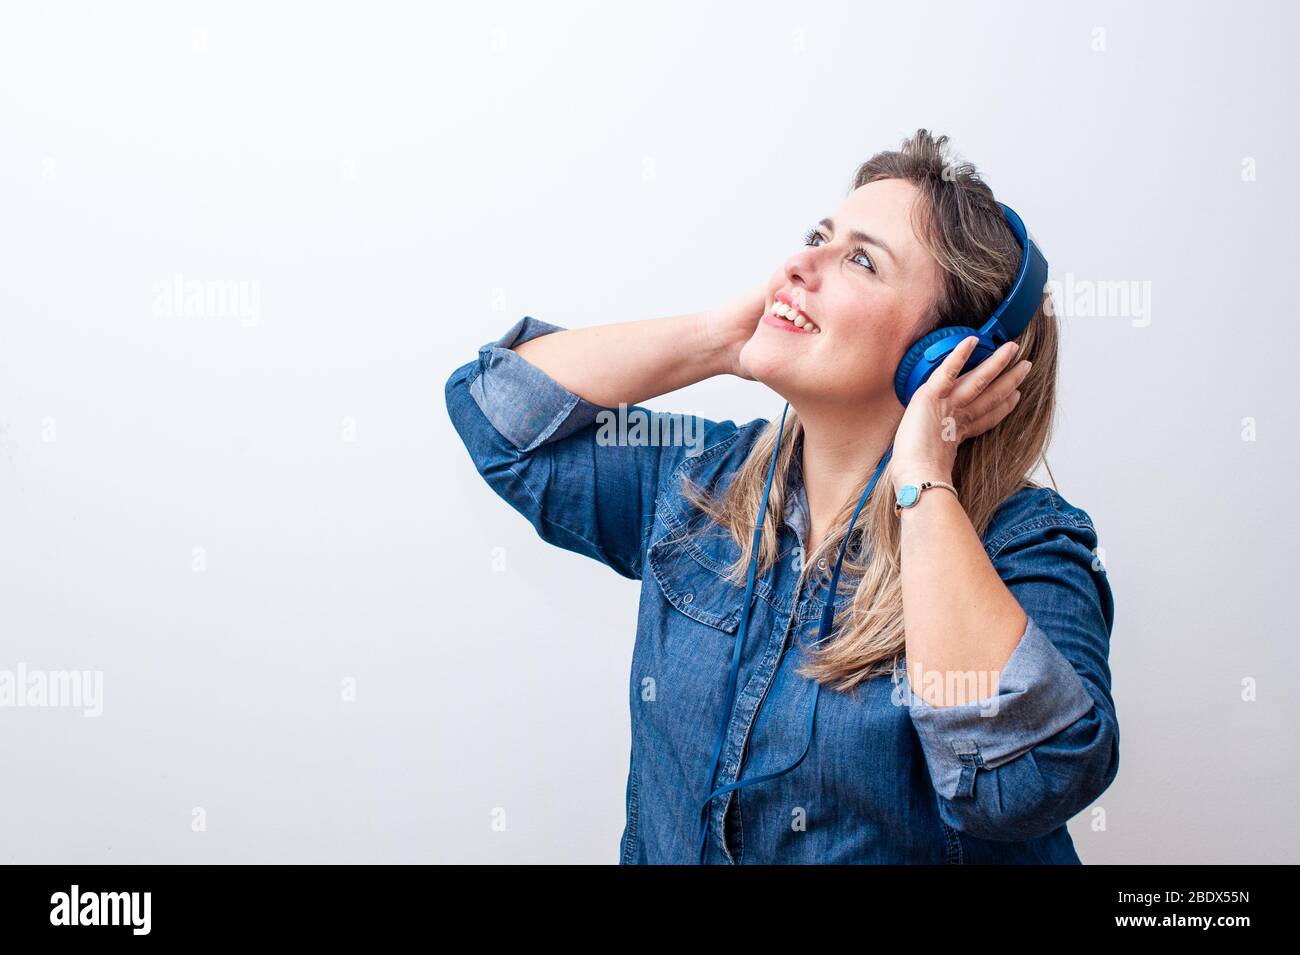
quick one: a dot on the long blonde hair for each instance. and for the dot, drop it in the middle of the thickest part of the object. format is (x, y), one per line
(960, 223)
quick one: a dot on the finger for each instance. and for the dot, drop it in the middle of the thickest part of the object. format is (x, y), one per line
(994, 416)
(945, 376)
(996, 393)
(977, 379)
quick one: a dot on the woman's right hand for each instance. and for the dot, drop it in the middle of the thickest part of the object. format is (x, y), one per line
(728, 328)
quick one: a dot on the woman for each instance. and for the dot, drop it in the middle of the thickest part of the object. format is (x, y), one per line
(967, 713)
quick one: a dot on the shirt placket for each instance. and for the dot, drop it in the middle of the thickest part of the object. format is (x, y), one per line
(742, 722)
(750, 699)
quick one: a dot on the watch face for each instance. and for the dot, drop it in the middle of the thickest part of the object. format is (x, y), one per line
(907, 495)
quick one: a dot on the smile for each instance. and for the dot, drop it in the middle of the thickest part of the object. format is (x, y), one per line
(786, 325)
(785, 309)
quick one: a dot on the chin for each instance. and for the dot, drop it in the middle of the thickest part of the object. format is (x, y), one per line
(791, 384)
(765, 362)
(796, 382)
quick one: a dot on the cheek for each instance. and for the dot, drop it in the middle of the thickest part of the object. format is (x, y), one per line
(869, 350)
(866, 339)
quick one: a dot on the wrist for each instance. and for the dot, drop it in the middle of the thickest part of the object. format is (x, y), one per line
(909, 495)
(919, 474)
(718, 347)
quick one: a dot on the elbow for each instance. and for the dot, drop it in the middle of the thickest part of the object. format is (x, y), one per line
(491, 456)
(455, 394)
(1041, 790)
(501, 465)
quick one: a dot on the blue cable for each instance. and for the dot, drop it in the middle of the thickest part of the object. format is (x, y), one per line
(828, 614)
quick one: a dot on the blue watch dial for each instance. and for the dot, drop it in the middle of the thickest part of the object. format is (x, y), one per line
(908, 494)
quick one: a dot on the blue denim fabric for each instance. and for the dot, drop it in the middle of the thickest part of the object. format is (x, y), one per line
(889, 778)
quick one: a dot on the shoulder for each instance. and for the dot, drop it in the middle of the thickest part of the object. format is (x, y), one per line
(1035, 512)
(1046, 550)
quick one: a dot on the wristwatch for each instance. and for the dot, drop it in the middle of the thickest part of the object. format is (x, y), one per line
(909, 494)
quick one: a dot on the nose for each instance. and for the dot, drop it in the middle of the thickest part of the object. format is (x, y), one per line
(803, 273)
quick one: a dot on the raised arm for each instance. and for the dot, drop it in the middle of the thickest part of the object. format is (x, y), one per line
(630, 362)
(533, 412)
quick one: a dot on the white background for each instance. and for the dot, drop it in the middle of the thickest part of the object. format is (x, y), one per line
(401, 183)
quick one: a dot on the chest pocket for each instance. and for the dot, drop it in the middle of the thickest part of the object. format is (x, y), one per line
(692, 580)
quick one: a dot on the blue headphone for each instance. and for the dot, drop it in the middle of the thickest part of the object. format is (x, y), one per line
(1007, 322)
(919, 362)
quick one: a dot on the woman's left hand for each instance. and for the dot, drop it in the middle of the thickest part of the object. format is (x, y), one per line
(948, 409)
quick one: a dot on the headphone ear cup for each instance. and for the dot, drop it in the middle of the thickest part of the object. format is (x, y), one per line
(916, 367)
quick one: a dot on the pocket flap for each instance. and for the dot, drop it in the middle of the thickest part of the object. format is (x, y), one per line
(695, 590)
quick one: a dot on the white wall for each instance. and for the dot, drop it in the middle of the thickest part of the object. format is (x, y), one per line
(398, 186)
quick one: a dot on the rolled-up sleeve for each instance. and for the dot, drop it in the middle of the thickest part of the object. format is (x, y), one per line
(548, 452)
(1021, 762)
(523, 403)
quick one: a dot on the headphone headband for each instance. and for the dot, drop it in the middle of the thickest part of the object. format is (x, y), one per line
(1013, 315)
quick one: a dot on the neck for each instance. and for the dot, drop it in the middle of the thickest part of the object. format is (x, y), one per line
(841, 448)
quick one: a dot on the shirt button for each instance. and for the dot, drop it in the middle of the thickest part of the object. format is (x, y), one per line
(688, 598)
(822, 563)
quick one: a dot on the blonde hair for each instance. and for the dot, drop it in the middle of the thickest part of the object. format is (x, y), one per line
(961, 224)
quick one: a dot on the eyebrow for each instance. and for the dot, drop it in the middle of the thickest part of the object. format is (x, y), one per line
(856, 236)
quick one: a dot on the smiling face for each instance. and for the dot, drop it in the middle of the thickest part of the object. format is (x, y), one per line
(866, 283)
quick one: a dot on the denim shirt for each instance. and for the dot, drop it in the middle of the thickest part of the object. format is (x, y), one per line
(888, 778)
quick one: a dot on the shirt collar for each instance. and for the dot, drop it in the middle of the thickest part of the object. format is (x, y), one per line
(796, 510)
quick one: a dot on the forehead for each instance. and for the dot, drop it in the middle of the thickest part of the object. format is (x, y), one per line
(884, 209)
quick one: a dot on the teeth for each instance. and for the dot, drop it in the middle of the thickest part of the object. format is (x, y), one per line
(792, 315)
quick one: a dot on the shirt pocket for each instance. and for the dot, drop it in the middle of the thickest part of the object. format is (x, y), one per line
(693, 583)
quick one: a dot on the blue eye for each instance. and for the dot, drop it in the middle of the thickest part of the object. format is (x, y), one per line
(812, 235)
(863, 252)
